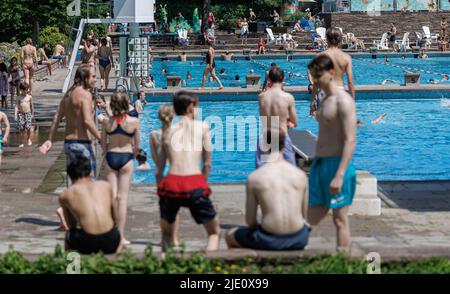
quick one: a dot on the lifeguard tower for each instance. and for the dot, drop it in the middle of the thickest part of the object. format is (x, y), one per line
(133, 58)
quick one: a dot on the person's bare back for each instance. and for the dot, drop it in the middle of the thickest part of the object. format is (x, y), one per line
(342, 62)
(336, 113)
(73, 110)
(281, 191)
(275, 103)
(89, 204)
(185, 144)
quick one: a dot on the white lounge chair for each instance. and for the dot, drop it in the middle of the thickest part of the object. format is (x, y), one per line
(322, 32)
(183, 37)
(427, 32)
(271, 38)
(429, 37)
(404, 44)
(383, 44)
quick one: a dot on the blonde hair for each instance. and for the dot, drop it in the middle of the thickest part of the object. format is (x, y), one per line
(120, 104)
(165, 114)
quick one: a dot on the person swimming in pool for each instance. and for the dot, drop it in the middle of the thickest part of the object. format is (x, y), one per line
(379, 119)
(141, 158)
(332, 179)
(385, 81)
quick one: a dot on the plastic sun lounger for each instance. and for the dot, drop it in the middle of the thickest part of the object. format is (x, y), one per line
(383, 44)
(271, 38)
(404, 45)
(304, 144)
(428, 35)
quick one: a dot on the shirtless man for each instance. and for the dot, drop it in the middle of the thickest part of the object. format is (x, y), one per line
(277, 106)
(332, 179)
(186, 144)
(3, 135)
(227, 56)
(76, 107)
(89, 53)
(59, 53)
(183, 57)
(140, 103)
(89, 213)
(281, 190)
(343, 64)
(28, 57)
(44, 59)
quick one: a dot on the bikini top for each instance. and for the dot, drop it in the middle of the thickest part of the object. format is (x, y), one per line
(119, 130)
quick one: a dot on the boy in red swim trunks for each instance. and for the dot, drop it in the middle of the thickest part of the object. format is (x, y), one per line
(185, 145)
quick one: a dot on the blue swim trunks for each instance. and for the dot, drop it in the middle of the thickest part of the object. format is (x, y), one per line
(257, 238)
(74, 148)
(1, 142)
(322, 172)
(288, 152)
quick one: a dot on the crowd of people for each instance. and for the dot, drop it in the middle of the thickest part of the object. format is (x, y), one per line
(292, 203)
(93, 213)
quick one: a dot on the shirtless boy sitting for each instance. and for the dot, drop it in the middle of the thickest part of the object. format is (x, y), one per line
(88, 210)
(281, 190)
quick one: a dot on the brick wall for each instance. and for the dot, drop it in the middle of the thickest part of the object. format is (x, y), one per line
(363, 25)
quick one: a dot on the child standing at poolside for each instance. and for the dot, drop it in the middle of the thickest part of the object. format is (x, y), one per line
(24, 113)
(4, 86)
(3, 135)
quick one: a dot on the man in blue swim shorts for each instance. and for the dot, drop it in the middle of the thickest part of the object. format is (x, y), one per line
(332, 179)
(280, 189)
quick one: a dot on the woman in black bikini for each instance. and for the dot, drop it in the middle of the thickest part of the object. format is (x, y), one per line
(105, 62)
(211, 68)
(121, 140)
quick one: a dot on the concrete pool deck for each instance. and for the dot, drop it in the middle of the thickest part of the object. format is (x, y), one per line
(413, 224)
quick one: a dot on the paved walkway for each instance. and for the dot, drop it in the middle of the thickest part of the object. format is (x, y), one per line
(414, 220)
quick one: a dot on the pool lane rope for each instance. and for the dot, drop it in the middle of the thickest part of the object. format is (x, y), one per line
(407, 67)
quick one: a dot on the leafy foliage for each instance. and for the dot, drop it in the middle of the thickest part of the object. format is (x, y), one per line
(8, 51)
(51, 36)
(128, 263)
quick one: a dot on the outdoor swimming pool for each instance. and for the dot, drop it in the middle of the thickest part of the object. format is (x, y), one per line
(412, 143)
(367, 71)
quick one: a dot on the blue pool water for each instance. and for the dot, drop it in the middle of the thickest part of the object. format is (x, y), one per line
(367, 71)
(412, 143)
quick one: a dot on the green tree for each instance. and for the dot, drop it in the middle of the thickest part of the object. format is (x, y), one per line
(22, 19)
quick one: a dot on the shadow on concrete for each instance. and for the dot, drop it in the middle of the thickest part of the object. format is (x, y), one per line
(417, 195)
(37, 221)
(144, 243)
(52, 91)
(231, 226)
